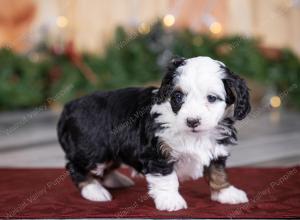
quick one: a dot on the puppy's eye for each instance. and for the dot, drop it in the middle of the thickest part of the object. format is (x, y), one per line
(211, 98)
(177, 97)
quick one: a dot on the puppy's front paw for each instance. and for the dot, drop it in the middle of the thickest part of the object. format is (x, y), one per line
(230, 195)
(170, 202)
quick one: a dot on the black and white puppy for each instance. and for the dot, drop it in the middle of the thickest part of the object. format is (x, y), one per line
(176, 132)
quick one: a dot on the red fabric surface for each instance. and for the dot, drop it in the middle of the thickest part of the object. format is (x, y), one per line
(49, 193)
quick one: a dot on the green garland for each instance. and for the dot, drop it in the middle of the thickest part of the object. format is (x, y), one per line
(133, 59)
(21, 81)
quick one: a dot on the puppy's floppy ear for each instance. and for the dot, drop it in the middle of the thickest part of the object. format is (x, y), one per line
(237, 94)
(167, 84)
(174, 63)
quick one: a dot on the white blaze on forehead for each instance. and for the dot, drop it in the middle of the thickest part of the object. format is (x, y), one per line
(204, 65)
(201, 73)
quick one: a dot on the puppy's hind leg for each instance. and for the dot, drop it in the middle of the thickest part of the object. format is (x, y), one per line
(90, 187)
(115, 179)
(109, 176)
(92, 190)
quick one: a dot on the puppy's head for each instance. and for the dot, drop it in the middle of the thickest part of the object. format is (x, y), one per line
(195, 94)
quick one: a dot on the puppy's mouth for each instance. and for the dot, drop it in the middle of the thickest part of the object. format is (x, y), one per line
(194, 130)
(198, 130)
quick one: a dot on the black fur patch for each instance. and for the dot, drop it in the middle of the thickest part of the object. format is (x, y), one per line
(237, 93)
(112, 126)
(219, 162)
(167, 85)
(228, 132)
(177, 99)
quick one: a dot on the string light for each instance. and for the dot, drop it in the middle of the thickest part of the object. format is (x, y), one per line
(215, 27)
(61, 21)
(275, 101)
(169, 20)
(144, 28)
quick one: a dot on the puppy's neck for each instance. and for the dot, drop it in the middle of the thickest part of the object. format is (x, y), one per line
(179, 144)
(191, 153)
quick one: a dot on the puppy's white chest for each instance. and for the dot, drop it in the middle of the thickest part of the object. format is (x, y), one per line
(190, 164)
(191, 152)
(189, 167)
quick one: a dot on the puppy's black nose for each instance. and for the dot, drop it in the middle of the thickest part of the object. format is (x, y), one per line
(193, 122)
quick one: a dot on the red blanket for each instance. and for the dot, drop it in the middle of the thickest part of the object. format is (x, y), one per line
(49, 193)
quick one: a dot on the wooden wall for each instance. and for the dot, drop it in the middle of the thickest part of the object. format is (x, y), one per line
(275, 22)
(91, 22)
